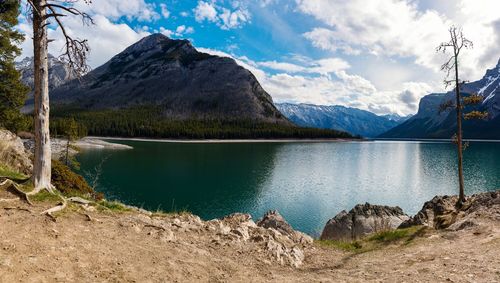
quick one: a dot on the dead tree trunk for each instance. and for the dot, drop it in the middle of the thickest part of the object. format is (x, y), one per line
(457, 42)
(459, 134)
(42, 162)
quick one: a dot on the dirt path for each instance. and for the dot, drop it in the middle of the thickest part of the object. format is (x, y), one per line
(130, 247)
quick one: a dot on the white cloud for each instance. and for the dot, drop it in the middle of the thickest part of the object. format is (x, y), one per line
(223, 17)
(105, 38)
(164, 11)
(181, 30)
(399, 29)
(322, 66)
(233, 19)
(114, 9)
(329, 84)
(205, 11)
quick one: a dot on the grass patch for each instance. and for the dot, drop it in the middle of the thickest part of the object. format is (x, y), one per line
(378, 240)
(113, 206)
(11, 174)
(45, 196)
(390, 236)
(161, 213)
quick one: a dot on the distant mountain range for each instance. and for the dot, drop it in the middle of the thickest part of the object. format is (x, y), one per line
(352, 120)
(429, 123)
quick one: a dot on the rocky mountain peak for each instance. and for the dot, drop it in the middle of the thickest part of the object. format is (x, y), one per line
(59, 72)
(158, 42)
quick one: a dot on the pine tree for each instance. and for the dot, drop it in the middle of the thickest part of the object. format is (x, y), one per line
(12, 91)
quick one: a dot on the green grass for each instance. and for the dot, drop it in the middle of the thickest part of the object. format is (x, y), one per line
(161, 213)
(377, 241)
(395, 235)
(113, 206)
(45, 196)
(11, 174)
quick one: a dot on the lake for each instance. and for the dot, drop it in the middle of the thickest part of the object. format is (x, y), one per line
(308, 183)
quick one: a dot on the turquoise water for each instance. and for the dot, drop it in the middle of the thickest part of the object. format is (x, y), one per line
(307, 182)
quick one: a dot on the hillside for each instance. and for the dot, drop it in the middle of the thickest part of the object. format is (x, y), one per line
(429, 123)
(172, 74)
(352, 120)
(160, 87)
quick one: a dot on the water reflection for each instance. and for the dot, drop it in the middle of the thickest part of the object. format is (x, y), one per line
(307, 182)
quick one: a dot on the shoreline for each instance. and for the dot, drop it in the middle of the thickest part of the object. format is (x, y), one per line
(97, 143)
(225, 140)
(90, 139)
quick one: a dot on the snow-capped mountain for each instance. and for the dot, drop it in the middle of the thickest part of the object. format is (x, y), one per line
(59, 72)
(352, 120)
(429, 123)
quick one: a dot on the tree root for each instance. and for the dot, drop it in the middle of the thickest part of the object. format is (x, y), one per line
(61, 206)
(14, 188)
(18, 208)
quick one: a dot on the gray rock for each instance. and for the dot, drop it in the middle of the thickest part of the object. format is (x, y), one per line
(362, 220)
(272, 219)
(13, 154)
(436, 213)
(442, 212)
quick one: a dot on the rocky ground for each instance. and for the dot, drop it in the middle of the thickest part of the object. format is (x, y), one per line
(89, 243)
(58, 145)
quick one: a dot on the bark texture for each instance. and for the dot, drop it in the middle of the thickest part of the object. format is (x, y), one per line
(42, 160)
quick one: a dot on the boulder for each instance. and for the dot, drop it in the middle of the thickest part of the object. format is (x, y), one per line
(273, 238)
(442, 212)
(362, 220)
(437, 213)
(13, 154)
(273, 220)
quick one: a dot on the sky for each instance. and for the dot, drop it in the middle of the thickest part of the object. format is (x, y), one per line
(377, 55)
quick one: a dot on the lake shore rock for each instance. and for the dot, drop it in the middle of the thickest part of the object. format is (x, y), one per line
(362, 220)
(58, 146)
(13, 153)
(442, 212)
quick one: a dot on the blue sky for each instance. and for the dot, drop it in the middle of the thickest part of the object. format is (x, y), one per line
(377, 55)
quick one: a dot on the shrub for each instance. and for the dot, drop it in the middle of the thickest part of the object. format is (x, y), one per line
(69, 183)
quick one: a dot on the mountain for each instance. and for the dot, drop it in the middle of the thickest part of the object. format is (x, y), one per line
(353, 120)
(396, 118)
(429, 123)
(59, 73)
(160, 87)
(174, 76)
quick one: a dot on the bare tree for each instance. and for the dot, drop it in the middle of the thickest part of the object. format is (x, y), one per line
(456, 44)
(41, 13)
